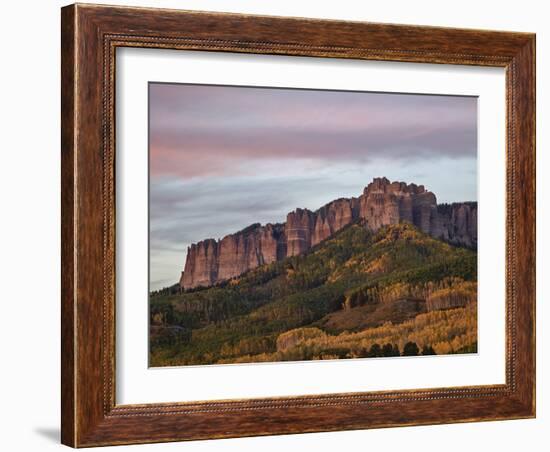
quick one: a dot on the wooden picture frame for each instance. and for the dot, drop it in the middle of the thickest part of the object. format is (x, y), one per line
(90, 36)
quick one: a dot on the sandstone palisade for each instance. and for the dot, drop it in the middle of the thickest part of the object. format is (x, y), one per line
(382, 203)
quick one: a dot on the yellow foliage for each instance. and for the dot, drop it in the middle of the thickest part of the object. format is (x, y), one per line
(290, 339)
(446, 331)
(457, 295)
(379, 265)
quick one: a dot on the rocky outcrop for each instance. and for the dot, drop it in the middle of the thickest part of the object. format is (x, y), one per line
(201, 265)
(299, 227)
(382, 203)
(458, 223)
(210, 261)
(385, 203)
(333, 217)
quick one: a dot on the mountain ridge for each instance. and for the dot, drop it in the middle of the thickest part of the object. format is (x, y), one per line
(382, 203)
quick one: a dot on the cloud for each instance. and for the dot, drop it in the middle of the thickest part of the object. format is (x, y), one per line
(222, 158)
(206, 131)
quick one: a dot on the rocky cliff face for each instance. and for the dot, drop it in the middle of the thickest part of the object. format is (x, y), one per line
(458, 223)
(382, 203)
(210, 261)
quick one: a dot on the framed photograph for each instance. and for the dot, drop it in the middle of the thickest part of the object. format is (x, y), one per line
(282, 225)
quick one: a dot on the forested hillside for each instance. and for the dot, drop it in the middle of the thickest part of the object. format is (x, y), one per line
(393, 292)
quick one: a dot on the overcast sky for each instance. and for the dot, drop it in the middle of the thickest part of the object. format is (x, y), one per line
(224, 157)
